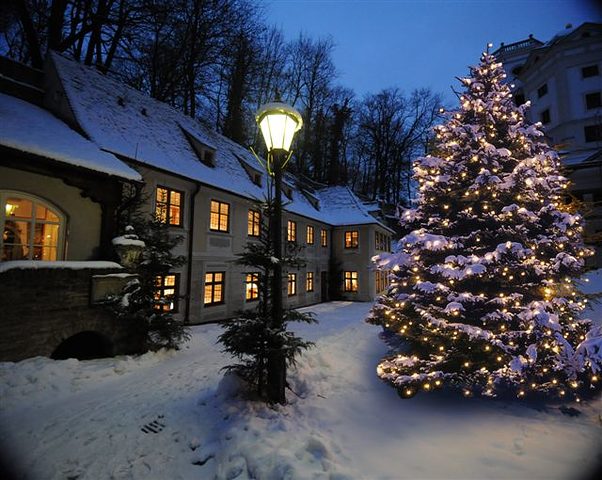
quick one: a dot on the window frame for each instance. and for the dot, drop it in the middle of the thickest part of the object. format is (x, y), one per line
(32, 220)
(350, 281)
(219, 216)
(249, 282)
(309, 281)
(291, 284)
(354, 240)
(291, 231)
(212, 284)
(323, 237)
(310, 235)
(253, 220)
(163, 287)
(169, 204)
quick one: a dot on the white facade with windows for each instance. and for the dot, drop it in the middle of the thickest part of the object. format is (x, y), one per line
(201, 184)
(563, 80)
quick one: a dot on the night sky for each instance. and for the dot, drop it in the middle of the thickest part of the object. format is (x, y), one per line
(421, 43)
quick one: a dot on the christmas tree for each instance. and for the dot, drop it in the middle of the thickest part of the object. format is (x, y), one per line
(484, 288)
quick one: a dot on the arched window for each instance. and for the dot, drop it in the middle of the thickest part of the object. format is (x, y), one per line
(32, 229)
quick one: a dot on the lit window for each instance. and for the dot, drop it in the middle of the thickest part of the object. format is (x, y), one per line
(253, 223)
(291, 231)
(292, 284)
(252, 286)
(310, 235)
(166, 291)
(590, 71)
(350, 281)
(324, 237)
(382, 280)
(220, 216)
(351, 239)
(31, 229)
(214, 288)
(309, 282)
(168, 206)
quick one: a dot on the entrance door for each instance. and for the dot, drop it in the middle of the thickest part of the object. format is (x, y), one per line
(324, 286)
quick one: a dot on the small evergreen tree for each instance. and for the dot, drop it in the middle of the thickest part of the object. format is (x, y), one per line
(140, 301)
(248, 337)
(484, 286)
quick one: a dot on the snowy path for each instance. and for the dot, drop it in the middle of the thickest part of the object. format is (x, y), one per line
(70, 419)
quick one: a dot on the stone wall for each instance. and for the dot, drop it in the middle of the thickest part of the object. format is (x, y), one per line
(42, 307)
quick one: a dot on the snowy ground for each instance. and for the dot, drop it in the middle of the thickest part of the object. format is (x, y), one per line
(84, 420)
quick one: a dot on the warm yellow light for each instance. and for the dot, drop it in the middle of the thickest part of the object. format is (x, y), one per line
(278, 123)
(10, 209)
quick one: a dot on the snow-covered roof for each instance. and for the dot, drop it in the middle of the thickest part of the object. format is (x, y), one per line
(31, 129)
(343, 207)
(127, 122)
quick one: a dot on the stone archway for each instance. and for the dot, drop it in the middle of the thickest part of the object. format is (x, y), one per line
(84, 346)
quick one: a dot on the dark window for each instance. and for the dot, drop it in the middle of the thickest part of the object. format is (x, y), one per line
(545, 116)
(310, 235)
(309, 282)
(220, 216)
(292, 284)
(593, 133)
(251, 287)
(541, 91)
(590, 71)
(519, 99)
(324, 238)
(593, 100)
(166, 292)
(214, 288)
(168, 206)
(350, 281)
(352, 239)
(253, 223)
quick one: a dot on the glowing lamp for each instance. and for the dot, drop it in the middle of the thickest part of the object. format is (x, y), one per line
(278, 123)
(10, 209)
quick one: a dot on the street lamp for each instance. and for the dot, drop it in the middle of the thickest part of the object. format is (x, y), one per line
(278, 123)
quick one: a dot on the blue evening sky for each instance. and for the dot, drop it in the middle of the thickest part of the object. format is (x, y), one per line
(416, 43)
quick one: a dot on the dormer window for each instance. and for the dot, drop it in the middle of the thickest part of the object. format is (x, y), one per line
(253, 173)
(204, 152)
(208, 158)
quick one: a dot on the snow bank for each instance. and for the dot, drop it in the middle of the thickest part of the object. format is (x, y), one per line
(90, 419)
(44, 264)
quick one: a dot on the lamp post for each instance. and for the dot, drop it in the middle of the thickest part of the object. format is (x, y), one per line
(278, 123)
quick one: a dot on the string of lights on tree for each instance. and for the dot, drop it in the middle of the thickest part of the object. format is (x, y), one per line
(484, 288)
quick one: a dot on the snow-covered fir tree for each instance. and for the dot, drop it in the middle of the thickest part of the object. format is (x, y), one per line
(484, 287)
